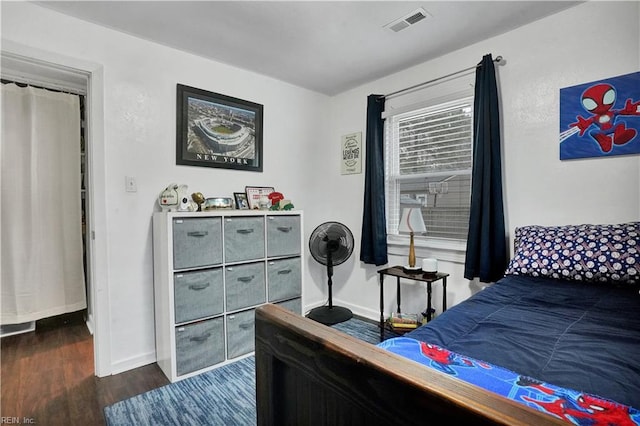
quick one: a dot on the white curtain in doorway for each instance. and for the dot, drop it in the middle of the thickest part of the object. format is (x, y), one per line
(41, 219)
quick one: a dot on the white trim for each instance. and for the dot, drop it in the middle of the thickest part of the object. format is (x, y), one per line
(43, 73)
(89, 323)
(97, 206)
(428, 103)
(133, 362)
(96, 202)
(361, 311)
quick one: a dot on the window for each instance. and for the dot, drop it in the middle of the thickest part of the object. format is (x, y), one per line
(428, 163)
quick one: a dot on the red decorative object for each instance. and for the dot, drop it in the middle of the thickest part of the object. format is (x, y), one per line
(275, 198)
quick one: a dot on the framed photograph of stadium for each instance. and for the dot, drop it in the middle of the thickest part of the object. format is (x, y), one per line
(215, 130)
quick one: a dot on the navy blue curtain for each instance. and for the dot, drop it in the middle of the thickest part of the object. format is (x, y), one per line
(486, 257)
(373, 245)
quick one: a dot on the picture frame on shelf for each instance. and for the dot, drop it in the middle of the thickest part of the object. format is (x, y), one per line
(216, 130)
(242, 203)
(254, 193)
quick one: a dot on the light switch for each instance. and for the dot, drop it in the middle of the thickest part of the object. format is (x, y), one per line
(130, 184)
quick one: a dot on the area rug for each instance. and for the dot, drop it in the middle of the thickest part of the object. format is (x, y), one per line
(224, 396)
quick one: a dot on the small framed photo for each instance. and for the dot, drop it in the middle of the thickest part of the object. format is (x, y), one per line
(254, 193)
(215, 130)
(241, 200)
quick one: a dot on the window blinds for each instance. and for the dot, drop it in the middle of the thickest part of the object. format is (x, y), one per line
(428, 163)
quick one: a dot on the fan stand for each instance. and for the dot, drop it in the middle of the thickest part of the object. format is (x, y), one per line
(330, 315)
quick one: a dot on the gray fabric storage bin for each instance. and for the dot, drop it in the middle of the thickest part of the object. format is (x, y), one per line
(197, 242)
(245, 285)
(294, 305)
(198, 294)
(283, 236)
(284, 278)
(243, 238)
(199, 345)
(240, 333)
(211, 271)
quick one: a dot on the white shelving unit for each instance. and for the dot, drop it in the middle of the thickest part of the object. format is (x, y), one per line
(211, 270)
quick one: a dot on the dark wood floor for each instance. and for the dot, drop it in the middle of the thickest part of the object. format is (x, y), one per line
(47, 376)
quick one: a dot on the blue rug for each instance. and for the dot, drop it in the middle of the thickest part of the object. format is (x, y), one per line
(224, 396)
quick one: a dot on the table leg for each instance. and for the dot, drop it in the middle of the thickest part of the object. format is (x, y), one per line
(444, 294)
(428, 301)
(398, 293)
(381, 307)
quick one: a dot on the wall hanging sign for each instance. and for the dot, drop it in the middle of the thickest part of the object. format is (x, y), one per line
(215, 130)
(600, 118)
(352, 153)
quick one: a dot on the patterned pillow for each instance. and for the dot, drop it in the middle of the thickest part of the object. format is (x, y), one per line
(600, 253)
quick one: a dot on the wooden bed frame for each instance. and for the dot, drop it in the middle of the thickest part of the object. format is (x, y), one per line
(310, 374)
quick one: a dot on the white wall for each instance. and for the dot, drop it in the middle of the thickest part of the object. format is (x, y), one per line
(559, 51)
(139, 85)
(302, 146)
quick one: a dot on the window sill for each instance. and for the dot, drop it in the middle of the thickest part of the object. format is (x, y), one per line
(440, 248)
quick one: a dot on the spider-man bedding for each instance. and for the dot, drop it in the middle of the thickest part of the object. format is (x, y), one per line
(570, 347)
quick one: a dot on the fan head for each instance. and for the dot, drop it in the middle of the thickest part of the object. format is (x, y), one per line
(331, 238)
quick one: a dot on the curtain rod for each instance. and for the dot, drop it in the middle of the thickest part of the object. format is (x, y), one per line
(497, 60)
(50, 87)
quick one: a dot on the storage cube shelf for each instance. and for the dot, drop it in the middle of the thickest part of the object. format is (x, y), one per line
(211, 270)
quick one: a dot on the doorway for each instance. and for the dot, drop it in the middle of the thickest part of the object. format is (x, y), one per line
(65, 75)
(43, 265)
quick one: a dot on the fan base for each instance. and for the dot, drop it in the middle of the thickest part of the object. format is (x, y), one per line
(330, 315)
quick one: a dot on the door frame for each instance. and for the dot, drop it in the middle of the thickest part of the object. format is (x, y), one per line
(35, 61)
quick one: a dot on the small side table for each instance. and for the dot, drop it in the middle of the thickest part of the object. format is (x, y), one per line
(398, 272)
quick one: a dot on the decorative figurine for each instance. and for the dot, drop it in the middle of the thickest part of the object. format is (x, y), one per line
(278, 202)
(174, 198)
(198, 198)
(275, 198)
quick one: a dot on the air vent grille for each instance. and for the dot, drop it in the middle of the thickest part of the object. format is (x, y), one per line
(399, 26)
(408, 20)
(415, 18)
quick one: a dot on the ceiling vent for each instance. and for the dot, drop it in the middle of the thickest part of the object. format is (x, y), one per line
(408, 20)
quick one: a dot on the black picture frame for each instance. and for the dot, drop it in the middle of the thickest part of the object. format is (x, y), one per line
(242, 203)
(215, 130)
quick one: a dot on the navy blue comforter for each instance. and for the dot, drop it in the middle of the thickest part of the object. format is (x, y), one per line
(574, 335)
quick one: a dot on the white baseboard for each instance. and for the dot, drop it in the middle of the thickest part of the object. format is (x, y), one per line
(360, 311)
(133, 362)
(89, 323)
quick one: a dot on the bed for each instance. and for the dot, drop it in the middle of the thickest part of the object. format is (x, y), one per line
(556, 341)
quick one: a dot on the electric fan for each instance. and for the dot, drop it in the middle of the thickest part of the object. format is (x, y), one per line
(331, 244)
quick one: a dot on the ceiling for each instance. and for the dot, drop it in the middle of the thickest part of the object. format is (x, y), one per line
(324, 46)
